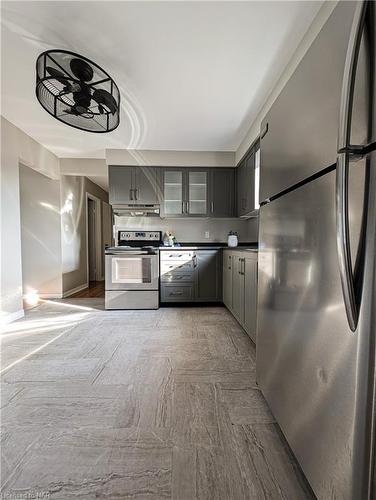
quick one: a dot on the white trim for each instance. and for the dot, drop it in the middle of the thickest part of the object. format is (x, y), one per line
(98, 236)
(77, 289)
(50, 295)
(10, 317)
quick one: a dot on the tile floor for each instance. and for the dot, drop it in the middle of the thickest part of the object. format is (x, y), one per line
(146, 405)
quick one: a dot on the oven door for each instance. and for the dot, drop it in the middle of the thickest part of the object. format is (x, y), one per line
(132, 272)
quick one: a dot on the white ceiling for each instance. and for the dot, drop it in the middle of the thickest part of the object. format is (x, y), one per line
(192, 75)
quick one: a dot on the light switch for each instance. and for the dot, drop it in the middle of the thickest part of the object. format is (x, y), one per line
(207, 234)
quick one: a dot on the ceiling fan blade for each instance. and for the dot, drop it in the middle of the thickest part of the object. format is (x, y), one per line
(101, 96)
(79, 111)
(81, 70)
(58, 75)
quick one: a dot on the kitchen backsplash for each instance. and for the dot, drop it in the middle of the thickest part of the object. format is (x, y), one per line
(186, 230)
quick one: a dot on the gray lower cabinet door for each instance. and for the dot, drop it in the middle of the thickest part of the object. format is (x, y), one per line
(146, 185)
(208, 275)
(227, 279)
(237, 289)
(250, 296)
(121, 185)
(222, 192)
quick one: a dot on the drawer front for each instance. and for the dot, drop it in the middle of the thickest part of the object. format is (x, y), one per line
(176, 266)
(177, 277)
(176, 293)
(176, 255)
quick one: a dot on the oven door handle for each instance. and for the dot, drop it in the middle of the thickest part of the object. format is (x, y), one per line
(129, 252)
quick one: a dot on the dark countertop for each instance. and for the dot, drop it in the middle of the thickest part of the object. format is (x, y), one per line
(249, 247)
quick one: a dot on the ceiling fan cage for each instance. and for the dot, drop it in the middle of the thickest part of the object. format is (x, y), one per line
(77, 91)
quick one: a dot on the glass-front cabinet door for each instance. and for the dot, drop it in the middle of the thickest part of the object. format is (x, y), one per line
(173, 191)
(185, 192)
(197, 192)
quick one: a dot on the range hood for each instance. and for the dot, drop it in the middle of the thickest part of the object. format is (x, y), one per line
(130, 210)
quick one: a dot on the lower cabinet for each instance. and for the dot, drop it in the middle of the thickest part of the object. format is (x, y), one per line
(189, 276)
(240, 288)
(208, 276)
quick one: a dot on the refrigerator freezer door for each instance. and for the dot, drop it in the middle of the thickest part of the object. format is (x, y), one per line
(307, 356)
(302, 124)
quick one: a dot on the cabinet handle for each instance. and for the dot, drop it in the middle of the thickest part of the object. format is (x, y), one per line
(131, 194)
(176, 293)
(194, 261)
(212, 207)
(229, 262)
(136, 193)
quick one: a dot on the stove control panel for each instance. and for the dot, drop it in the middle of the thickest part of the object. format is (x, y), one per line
(140, 236)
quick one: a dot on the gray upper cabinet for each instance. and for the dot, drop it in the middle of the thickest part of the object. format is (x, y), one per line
(173, 192)
(120, 182)
(146, 185)
(133, 185)
(185, 192)
(246, 184)
(222, 192)
(208, 275)
(197, 191)
(181, 192)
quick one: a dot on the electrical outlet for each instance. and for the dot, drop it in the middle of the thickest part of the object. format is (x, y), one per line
(207, 234)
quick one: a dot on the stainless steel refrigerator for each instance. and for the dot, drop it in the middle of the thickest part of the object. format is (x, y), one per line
(317, 257)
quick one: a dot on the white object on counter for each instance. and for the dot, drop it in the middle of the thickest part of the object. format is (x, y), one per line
(232, 240)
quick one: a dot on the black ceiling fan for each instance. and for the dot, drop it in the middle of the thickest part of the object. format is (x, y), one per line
(77, 91)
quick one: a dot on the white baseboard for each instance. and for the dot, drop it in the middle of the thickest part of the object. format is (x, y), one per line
(50, 295)
(68, 293)
(10, 317)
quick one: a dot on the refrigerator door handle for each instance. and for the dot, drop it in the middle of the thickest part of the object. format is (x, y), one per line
(349, 74)
(343, 241)
(342, 172)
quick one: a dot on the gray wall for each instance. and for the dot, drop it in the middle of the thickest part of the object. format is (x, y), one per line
(193, 230)
(40, 233)
(16, 148)
(73, 220)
